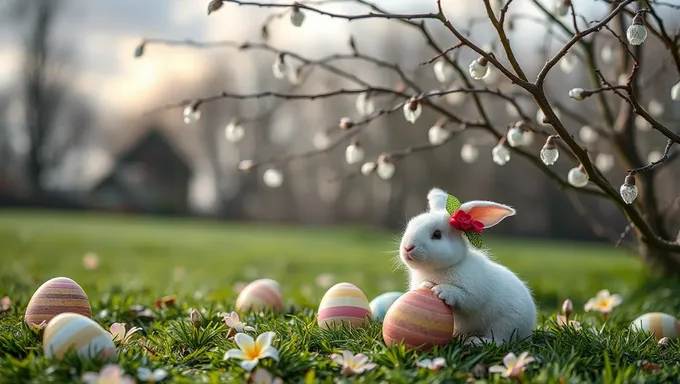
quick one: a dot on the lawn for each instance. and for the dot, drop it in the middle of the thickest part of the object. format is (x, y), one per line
(204, 263)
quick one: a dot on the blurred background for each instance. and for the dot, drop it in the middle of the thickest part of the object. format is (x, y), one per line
(76, 135)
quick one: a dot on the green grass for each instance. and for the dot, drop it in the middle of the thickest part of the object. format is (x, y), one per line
(143, 259)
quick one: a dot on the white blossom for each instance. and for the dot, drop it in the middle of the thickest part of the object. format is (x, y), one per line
(515, 137)
(364, 104)
(607, 53)
(469, 153)
(587, 134)
(385, 168)
(628, 189)
(549, 153)
(443, 71)
(568, 63)
(191, 114)
(479, 68)
(272, 178)
(675, 91)
(577, 94)
(321, 140)
(655, 108)
(234, 131)
(368, 168)
(492, 77)
(637, 32)
(455, 98)
(654, 156)
(561, 7)
(577, 177)
(604, 162)
(297, 17)
(437, 135)
(623, 79)
(500, 154)
(412, 111)
(354, 153)
(280, 68)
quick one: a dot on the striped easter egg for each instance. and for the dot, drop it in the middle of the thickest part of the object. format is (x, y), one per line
(419, 319)
(382, 303)
(659, 324)
(260, 295)
(55, 296)
(74, 332)
(343, 304)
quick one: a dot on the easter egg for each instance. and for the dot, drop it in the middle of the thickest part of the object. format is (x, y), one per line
(260, 295)
(659, 324)
(343, 304)
(419, 319)
(382, 303)
(55, 296)
(74, 332)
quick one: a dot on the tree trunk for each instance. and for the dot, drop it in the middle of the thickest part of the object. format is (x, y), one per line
(659, 262)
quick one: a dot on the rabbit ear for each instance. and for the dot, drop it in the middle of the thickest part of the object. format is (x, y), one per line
(436, 200)
(488, 212)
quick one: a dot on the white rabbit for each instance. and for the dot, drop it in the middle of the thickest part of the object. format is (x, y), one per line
(490, 303)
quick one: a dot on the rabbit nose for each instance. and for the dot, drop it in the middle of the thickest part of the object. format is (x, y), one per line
(409, 248)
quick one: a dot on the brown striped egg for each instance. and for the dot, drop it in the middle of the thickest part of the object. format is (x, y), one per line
(659, 324)
(419, 319)
(259, 295)
(55, 296)
(343, 304)
(77, 333)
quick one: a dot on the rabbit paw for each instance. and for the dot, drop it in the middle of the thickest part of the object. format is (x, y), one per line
(448, 293)
(426, 284)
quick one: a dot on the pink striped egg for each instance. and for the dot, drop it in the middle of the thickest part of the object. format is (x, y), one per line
(55, 296)
(659, 324)
(343, 304)
(260, 295)
(73, 332)
(419, 319)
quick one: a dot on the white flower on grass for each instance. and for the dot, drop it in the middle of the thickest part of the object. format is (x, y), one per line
(637, 32)
(280, 68)
(364, 104)
(233, 321)
(500, 154)
(191, 114)
(149, 376)
(577, 94)
(352, 364)
(118, 334)
(109, 374)
(443, 71)
(234, 131)
(587, 134)
(479, 68)
(469, 153)
(433, 365)
(90, 261)
(354, 153)
(675, 91)
(250, 351)
(262, 376)
(513, 366)
(604, 162)
(577, 177)
(272, 178)
(296, 16)
(655, 108)
(412, 110)
(604, 302)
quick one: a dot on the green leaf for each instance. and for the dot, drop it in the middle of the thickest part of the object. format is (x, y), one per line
(452, 204)
(475, 239)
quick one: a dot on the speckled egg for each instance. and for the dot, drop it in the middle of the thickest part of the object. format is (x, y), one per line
(71, 331)
(260, 295)
(382, 303)
(55, 296)
(419, 319)
(659, 324)
(343, 304)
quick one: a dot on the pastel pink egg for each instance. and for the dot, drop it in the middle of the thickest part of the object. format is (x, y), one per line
(55, 296)
(260, 295)
(419, 319)
(343, 304)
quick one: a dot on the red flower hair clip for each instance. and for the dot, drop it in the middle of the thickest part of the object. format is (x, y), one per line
(463, 221)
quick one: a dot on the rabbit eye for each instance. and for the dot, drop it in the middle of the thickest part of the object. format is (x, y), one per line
(437, 235)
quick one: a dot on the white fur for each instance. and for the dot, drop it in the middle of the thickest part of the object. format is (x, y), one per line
(490, 303)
